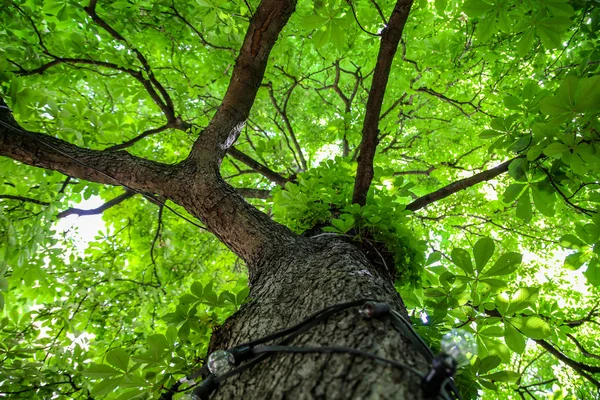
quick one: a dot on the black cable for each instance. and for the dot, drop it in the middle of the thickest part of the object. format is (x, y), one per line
(329, 349)
(243, 351)
(407, 330)
(311, 321)
(251, 355)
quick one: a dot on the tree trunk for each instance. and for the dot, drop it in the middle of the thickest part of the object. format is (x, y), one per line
(301, 279)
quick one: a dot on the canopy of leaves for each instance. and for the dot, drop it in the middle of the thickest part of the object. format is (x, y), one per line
(512, 257)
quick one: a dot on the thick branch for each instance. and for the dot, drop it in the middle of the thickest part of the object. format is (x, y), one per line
(97, 210)
(390, 38)
(458, 186)
(579, 367)
(113, 168)
(223, 130)
(258, 167)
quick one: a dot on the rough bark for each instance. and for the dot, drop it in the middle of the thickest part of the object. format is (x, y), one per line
(295, 281)
(290, 276)
(250, 233)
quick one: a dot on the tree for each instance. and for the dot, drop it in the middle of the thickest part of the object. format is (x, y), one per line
(262, 160)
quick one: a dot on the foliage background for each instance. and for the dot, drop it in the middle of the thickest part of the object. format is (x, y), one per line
(513, 258)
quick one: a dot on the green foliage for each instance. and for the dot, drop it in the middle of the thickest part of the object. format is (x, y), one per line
(316, 195)
(321, 199)
(129, 309)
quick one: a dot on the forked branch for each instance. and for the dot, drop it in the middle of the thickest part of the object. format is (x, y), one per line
(98, 210)
(224, 128)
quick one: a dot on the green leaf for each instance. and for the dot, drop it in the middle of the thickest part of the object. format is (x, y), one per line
(242, 295)
(575, 261)
(592, 273)
(462, 259)
(506, 264)
(522, 298)
(502, 376)
(514, 340)
(551, 31)
(488, 363)
(502, 301)
(588, 94)
(555, 150)
(158, 342)
(197, 289)
(483, 251)
(184, 331)
(525, 45)
(476, 8)
(440, 5)
(543, 198)
(106, 386)
(492, 331)
(312, 21)
(559, 7)
(534, 152)
(490, 134)
(433, 258)
(532, 326)
(118, 358)
(524, 210)
(512, 103)
(488, 385)
(100, 371)
(338, 36)
(486, 28)
(571, 241)
(512, 192)
(133, 394)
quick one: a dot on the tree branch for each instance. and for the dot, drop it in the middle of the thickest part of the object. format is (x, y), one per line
(390, 37)
(98, 210)
(283, 114)
(167, 107)
(579, 367)
(151, 84)
(196, 31)
(258, 167)
(136, 139)
(582, 369)
(113, 168)
(564, 196)
(458, 186)
(581, 348)
(224, 128)
(23, 199)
